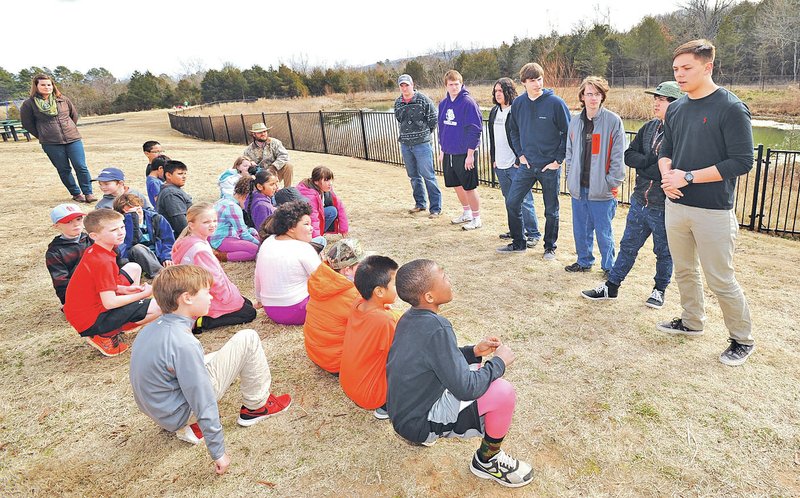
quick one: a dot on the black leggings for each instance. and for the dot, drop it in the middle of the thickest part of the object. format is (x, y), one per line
(245, 315)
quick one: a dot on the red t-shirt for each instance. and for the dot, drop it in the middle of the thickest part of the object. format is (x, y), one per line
(367, 340)
(97, 272)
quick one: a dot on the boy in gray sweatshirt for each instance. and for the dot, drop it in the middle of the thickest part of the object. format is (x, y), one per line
(178, 386)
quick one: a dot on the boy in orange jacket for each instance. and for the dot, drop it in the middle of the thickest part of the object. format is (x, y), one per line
(331, 295)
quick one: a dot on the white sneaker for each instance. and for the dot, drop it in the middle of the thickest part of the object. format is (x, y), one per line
(464, 218)
(190, 433)
(472, 225)
(503, 469)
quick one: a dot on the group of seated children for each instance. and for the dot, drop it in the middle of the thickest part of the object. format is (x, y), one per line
(405, 368)
(410, 369)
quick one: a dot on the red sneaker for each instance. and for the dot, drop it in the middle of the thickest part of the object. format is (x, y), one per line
(190, 433)
(273, 406)
(109, 346)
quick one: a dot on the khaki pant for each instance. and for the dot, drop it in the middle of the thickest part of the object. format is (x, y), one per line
(707, 237)
(242, 356)
(284, 174)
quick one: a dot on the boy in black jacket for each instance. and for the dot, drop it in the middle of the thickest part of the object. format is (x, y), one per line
(65, 250)
(436, 389)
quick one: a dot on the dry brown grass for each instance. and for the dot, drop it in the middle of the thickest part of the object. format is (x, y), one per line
(606, 405)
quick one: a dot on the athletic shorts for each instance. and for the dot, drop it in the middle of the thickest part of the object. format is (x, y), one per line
(454, 173)
(449, 417)
(118, 319)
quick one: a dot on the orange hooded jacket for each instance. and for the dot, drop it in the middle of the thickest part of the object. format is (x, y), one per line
(331, 298)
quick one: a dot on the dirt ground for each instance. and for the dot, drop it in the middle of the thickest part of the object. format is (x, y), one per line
(606, 404)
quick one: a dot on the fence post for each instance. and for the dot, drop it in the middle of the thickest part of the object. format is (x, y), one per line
(291, 134)
(211, 124)
(364, 134)
(763, 192)
(227, 132)
(244, 131)
(202, 128)
(759, 159)
(322, 127)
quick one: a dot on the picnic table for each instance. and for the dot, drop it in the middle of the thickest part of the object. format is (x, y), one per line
(12, 128)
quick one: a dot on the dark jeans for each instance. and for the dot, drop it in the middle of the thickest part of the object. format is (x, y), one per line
(522, 184)
(61, 155)
(641, 222)
(245, 315)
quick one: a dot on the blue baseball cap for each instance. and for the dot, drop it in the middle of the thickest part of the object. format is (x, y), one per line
(109, 175)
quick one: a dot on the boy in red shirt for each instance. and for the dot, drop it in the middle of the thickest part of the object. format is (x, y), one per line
(369, 334)
(102, 300)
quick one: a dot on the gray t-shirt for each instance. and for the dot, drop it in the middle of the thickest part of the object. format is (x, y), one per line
(713, 130)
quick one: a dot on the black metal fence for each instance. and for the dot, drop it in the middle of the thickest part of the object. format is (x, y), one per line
(767, 198)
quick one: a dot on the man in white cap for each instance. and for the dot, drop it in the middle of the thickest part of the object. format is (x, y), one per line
(417, 118)
(269, 153)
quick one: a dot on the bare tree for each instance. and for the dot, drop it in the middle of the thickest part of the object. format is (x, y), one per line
(703, 18)
(780, 26)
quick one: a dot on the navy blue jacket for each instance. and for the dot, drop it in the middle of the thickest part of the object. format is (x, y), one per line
(160, 231)
(538, 128)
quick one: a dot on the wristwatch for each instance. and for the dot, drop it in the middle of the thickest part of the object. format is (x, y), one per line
(689, 177)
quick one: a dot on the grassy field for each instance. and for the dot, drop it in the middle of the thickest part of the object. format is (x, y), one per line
(630, 103)
(606, 405)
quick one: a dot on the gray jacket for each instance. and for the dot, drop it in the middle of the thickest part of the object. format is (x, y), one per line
(417, 118)
(608, 150)
(170, 381)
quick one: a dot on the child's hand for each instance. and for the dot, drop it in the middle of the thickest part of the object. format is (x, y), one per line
(486, 346)
(221, 465)
(504, 353)
(168, 262)
(129, 289)
(147, 289)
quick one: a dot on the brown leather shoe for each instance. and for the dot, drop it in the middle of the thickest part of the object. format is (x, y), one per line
(91, 198)
(79, 198)
(221, 256)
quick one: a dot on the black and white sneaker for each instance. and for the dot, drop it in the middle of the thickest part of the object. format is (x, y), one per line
(676, 327)
(503, 469)
(656, 299)
(576, 268)
(510, 249)
(531, 242)
(736, 354)
(600, 292)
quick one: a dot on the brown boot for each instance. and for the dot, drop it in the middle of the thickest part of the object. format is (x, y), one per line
(91, 198)
(221, 256)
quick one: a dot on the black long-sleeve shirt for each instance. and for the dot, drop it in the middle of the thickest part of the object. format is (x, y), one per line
(423, 361)
(713, 130)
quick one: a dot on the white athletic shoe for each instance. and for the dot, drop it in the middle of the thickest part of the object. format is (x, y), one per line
(464, 218)
(472, 225)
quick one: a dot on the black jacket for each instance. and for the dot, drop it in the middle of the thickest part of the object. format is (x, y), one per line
(492, 116)
(643, 157)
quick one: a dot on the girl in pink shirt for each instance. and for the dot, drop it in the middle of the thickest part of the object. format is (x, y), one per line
(228, 306)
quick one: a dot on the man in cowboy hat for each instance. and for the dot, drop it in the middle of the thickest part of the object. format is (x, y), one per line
(269, 153)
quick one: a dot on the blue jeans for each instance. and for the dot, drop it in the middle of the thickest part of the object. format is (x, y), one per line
(530, 223)
(61, 155)
(419, 167)
(521, 186)
(590, 218)
(641, 222)
(331, 213)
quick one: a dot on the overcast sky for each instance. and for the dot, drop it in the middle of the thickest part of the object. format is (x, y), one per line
(171, 36)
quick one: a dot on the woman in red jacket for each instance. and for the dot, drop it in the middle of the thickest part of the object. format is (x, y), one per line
(51, 117)
(327, 210)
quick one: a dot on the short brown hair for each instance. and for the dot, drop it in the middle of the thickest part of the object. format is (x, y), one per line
(35, 85)
(600, 83)
(173, 281)
(94, 221)
(530, 71)
(452, 75)
(129, 199)
(701, 48)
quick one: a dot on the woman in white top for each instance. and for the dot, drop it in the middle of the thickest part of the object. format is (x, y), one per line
(284, 263)
(504, 160)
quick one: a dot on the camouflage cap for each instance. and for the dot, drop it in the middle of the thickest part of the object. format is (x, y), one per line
(344, 253)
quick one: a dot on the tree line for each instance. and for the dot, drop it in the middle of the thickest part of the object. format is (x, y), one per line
(756, 42)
